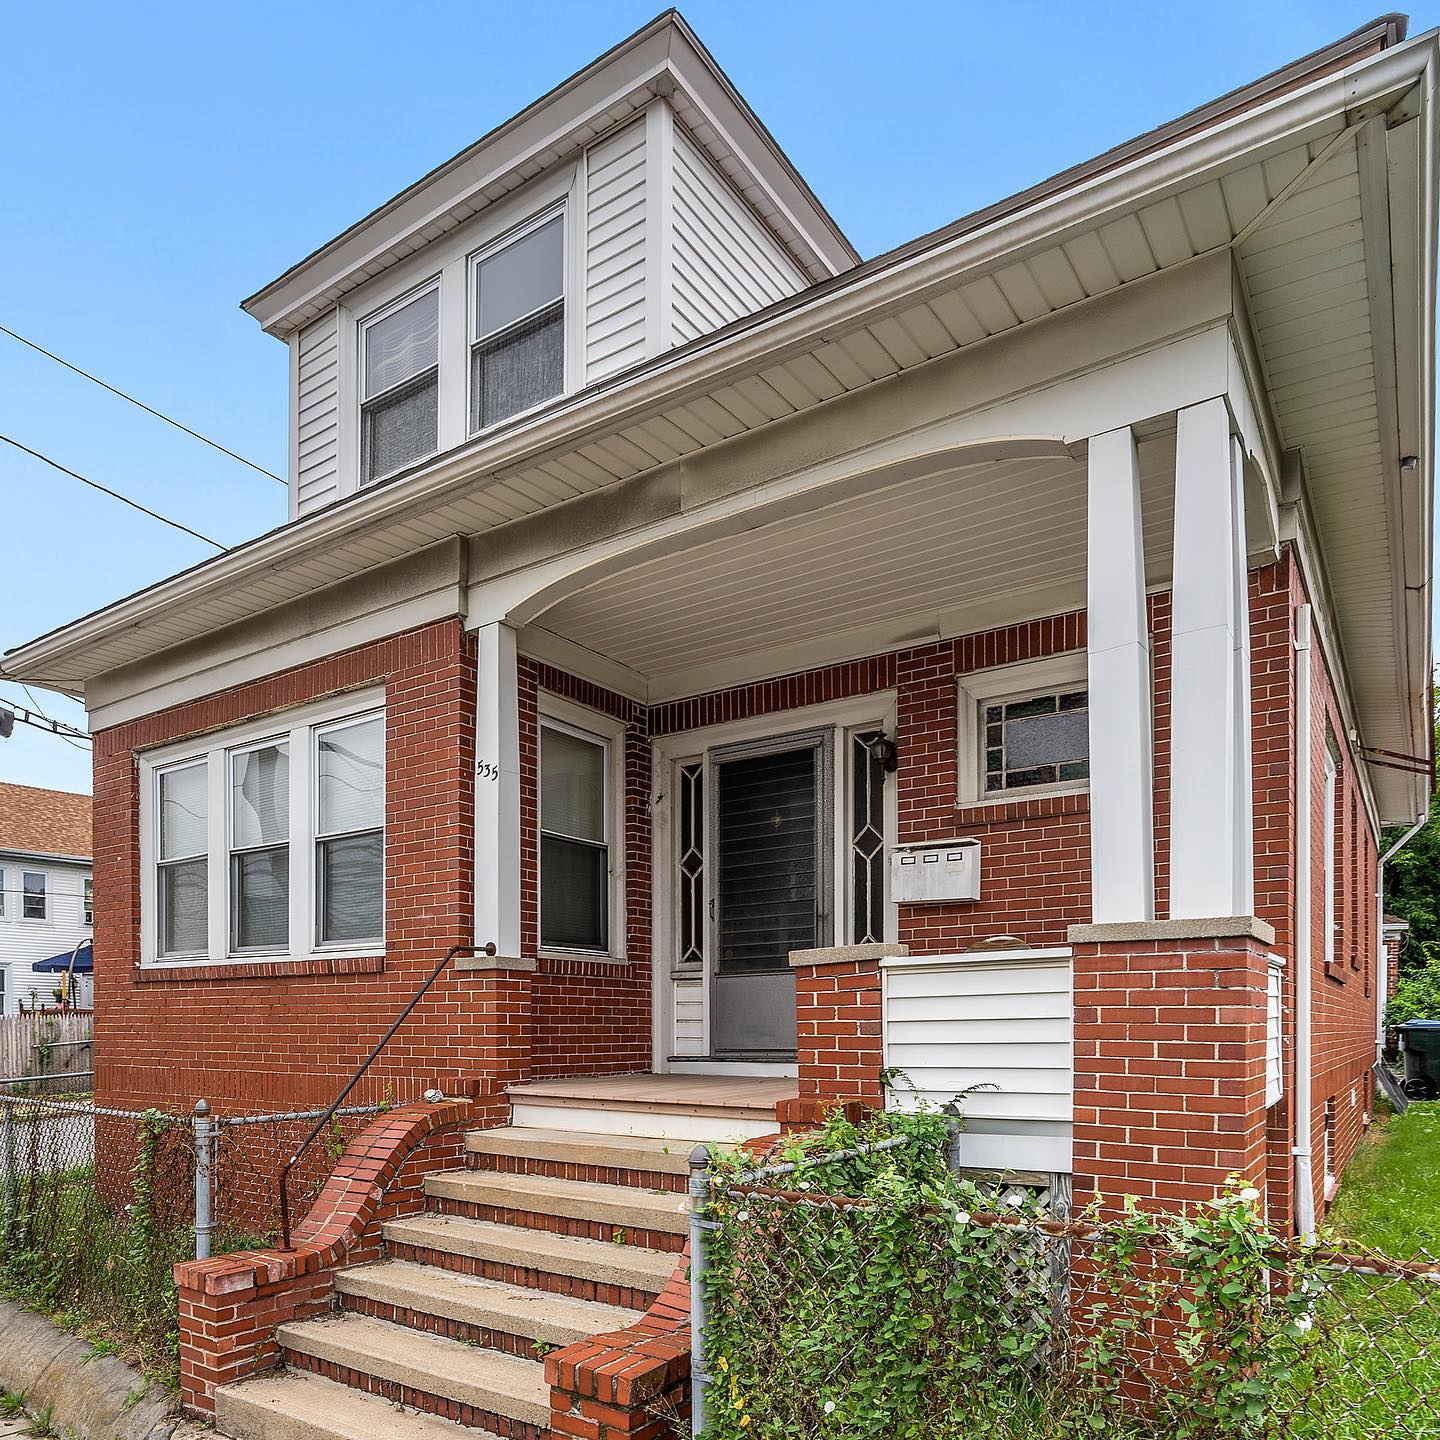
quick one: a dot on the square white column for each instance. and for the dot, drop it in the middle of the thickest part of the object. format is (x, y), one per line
(497, 792)
(1211, 840)
(1122, 843)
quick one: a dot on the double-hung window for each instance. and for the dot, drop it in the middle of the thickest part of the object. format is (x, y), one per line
(32, 897)
(400, 385)
(268, 841)
(350, 831)
(260, 847)
(574, 839)
(87, 916)
(517, 350)
(182, 878)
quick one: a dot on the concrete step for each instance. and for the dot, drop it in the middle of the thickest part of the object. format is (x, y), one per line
(535, 1254)
(478, 1305)
(686, 1109)
(599, 1207)
(424, 1369)
(296, 1405)
(580, 1155)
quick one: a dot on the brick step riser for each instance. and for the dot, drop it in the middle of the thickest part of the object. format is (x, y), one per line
(487, 1338)
(563, 1170)
(571, 1286)
(398, 1394)
(558, 1224)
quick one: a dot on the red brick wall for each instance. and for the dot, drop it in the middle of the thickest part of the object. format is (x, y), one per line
(255, 1036)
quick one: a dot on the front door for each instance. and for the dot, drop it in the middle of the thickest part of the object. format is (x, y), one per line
(771, 834)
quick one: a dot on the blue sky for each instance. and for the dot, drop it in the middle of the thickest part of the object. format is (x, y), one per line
(164, 161)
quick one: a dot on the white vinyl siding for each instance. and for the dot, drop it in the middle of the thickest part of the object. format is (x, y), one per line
(1003, 1021)
(725, 262)
(25, 942)
(317, 414)
(616, 286)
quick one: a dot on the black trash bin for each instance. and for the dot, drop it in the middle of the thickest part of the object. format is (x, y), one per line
(1420, 1041)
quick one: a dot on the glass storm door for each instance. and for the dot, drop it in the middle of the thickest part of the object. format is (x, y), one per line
(771, 833)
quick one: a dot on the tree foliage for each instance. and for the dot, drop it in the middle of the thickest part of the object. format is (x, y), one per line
(1412, 891)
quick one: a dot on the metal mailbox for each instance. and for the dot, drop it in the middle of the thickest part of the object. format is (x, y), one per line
(935, 871)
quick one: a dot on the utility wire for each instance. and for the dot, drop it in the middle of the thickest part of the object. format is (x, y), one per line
(43, 722)
(148, 409)
(58, 724)
(113, 494)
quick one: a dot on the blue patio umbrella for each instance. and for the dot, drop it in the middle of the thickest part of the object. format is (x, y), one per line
(60, 964)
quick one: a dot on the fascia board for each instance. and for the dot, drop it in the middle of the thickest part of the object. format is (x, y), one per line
(784, 329)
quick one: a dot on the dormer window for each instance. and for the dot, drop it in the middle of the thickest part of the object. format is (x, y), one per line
(517, 352)
(400, 377)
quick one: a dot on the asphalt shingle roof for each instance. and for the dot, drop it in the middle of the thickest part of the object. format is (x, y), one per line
(44, 822)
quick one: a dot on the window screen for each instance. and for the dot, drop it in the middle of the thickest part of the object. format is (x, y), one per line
(517, 357)
(400, 365)
(1040, 740)
(350, 844)
(259, 847)
(182, 871)
(574, 848)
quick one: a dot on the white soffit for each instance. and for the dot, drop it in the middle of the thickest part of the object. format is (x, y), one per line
(912, 554)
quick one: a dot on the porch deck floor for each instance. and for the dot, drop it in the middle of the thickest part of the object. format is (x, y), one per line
(696, 1093)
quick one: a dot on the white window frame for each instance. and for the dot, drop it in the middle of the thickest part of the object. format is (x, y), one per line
(609, 732)
(1274, 1030)
(232, 753)
(300, 726)
(473, 261)
(1069, 671)
(4, 913)
(446, 262)
(45, 916)
(1330, 870)
(432, 283)
(316, 835)
(87, 900)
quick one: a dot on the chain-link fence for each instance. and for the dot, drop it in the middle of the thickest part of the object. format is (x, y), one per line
(916, 1306)
(98, 1203)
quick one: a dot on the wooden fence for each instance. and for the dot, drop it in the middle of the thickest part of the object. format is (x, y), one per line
(46, 1042)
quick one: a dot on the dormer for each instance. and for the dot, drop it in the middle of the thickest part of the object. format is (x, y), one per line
(637, 207)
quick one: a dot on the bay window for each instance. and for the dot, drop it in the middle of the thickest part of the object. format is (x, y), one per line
(400, 385)
(269, 840)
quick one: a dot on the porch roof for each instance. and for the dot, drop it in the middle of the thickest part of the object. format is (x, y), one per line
(1319, 180)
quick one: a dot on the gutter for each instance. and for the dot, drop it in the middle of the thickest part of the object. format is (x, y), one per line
(926, 267)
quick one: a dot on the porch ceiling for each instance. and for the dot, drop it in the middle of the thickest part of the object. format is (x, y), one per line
(944, 555)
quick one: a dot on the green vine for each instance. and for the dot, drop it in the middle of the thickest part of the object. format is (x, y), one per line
(903, 1318)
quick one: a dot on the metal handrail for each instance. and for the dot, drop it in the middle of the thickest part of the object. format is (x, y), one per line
(283, 1176)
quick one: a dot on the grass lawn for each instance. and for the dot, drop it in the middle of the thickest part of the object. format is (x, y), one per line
(1389, 1199)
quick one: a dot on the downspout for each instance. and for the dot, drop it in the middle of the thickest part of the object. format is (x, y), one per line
(1304, 1177)
(1382, 966)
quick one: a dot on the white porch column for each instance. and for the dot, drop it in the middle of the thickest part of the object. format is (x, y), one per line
(1211, 836)
(497, 793)
(1122, 844)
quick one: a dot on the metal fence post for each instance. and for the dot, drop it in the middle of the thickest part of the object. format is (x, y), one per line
(954, 1129)
(699, 1225)
(204, 1140)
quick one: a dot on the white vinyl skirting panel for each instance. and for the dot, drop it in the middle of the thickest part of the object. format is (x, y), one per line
(996, 1029)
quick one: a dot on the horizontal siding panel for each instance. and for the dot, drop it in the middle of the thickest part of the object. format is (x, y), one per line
(317, 415)
(615, 280)
(998, 1035)
(724, 263)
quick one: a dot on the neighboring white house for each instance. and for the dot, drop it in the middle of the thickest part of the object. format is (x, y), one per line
(46, 900)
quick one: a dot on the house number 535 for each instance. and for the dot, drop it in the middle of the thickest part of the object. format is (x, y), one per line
(487, 770)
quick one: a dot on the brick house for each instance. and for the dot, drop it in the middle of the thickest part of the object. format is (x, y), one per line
(994, 660)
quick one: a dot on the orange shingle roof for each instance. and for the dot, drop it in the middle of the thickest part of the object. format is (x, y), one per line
(45, 822)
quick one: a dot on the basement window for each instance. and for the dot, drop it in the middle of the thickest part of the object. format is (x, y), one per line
(400, 385)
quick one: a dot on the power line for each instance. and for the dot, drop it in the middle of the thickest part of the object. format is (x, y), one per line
(43, 722)
(31, 694)
(113, 494)
(148, 409)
